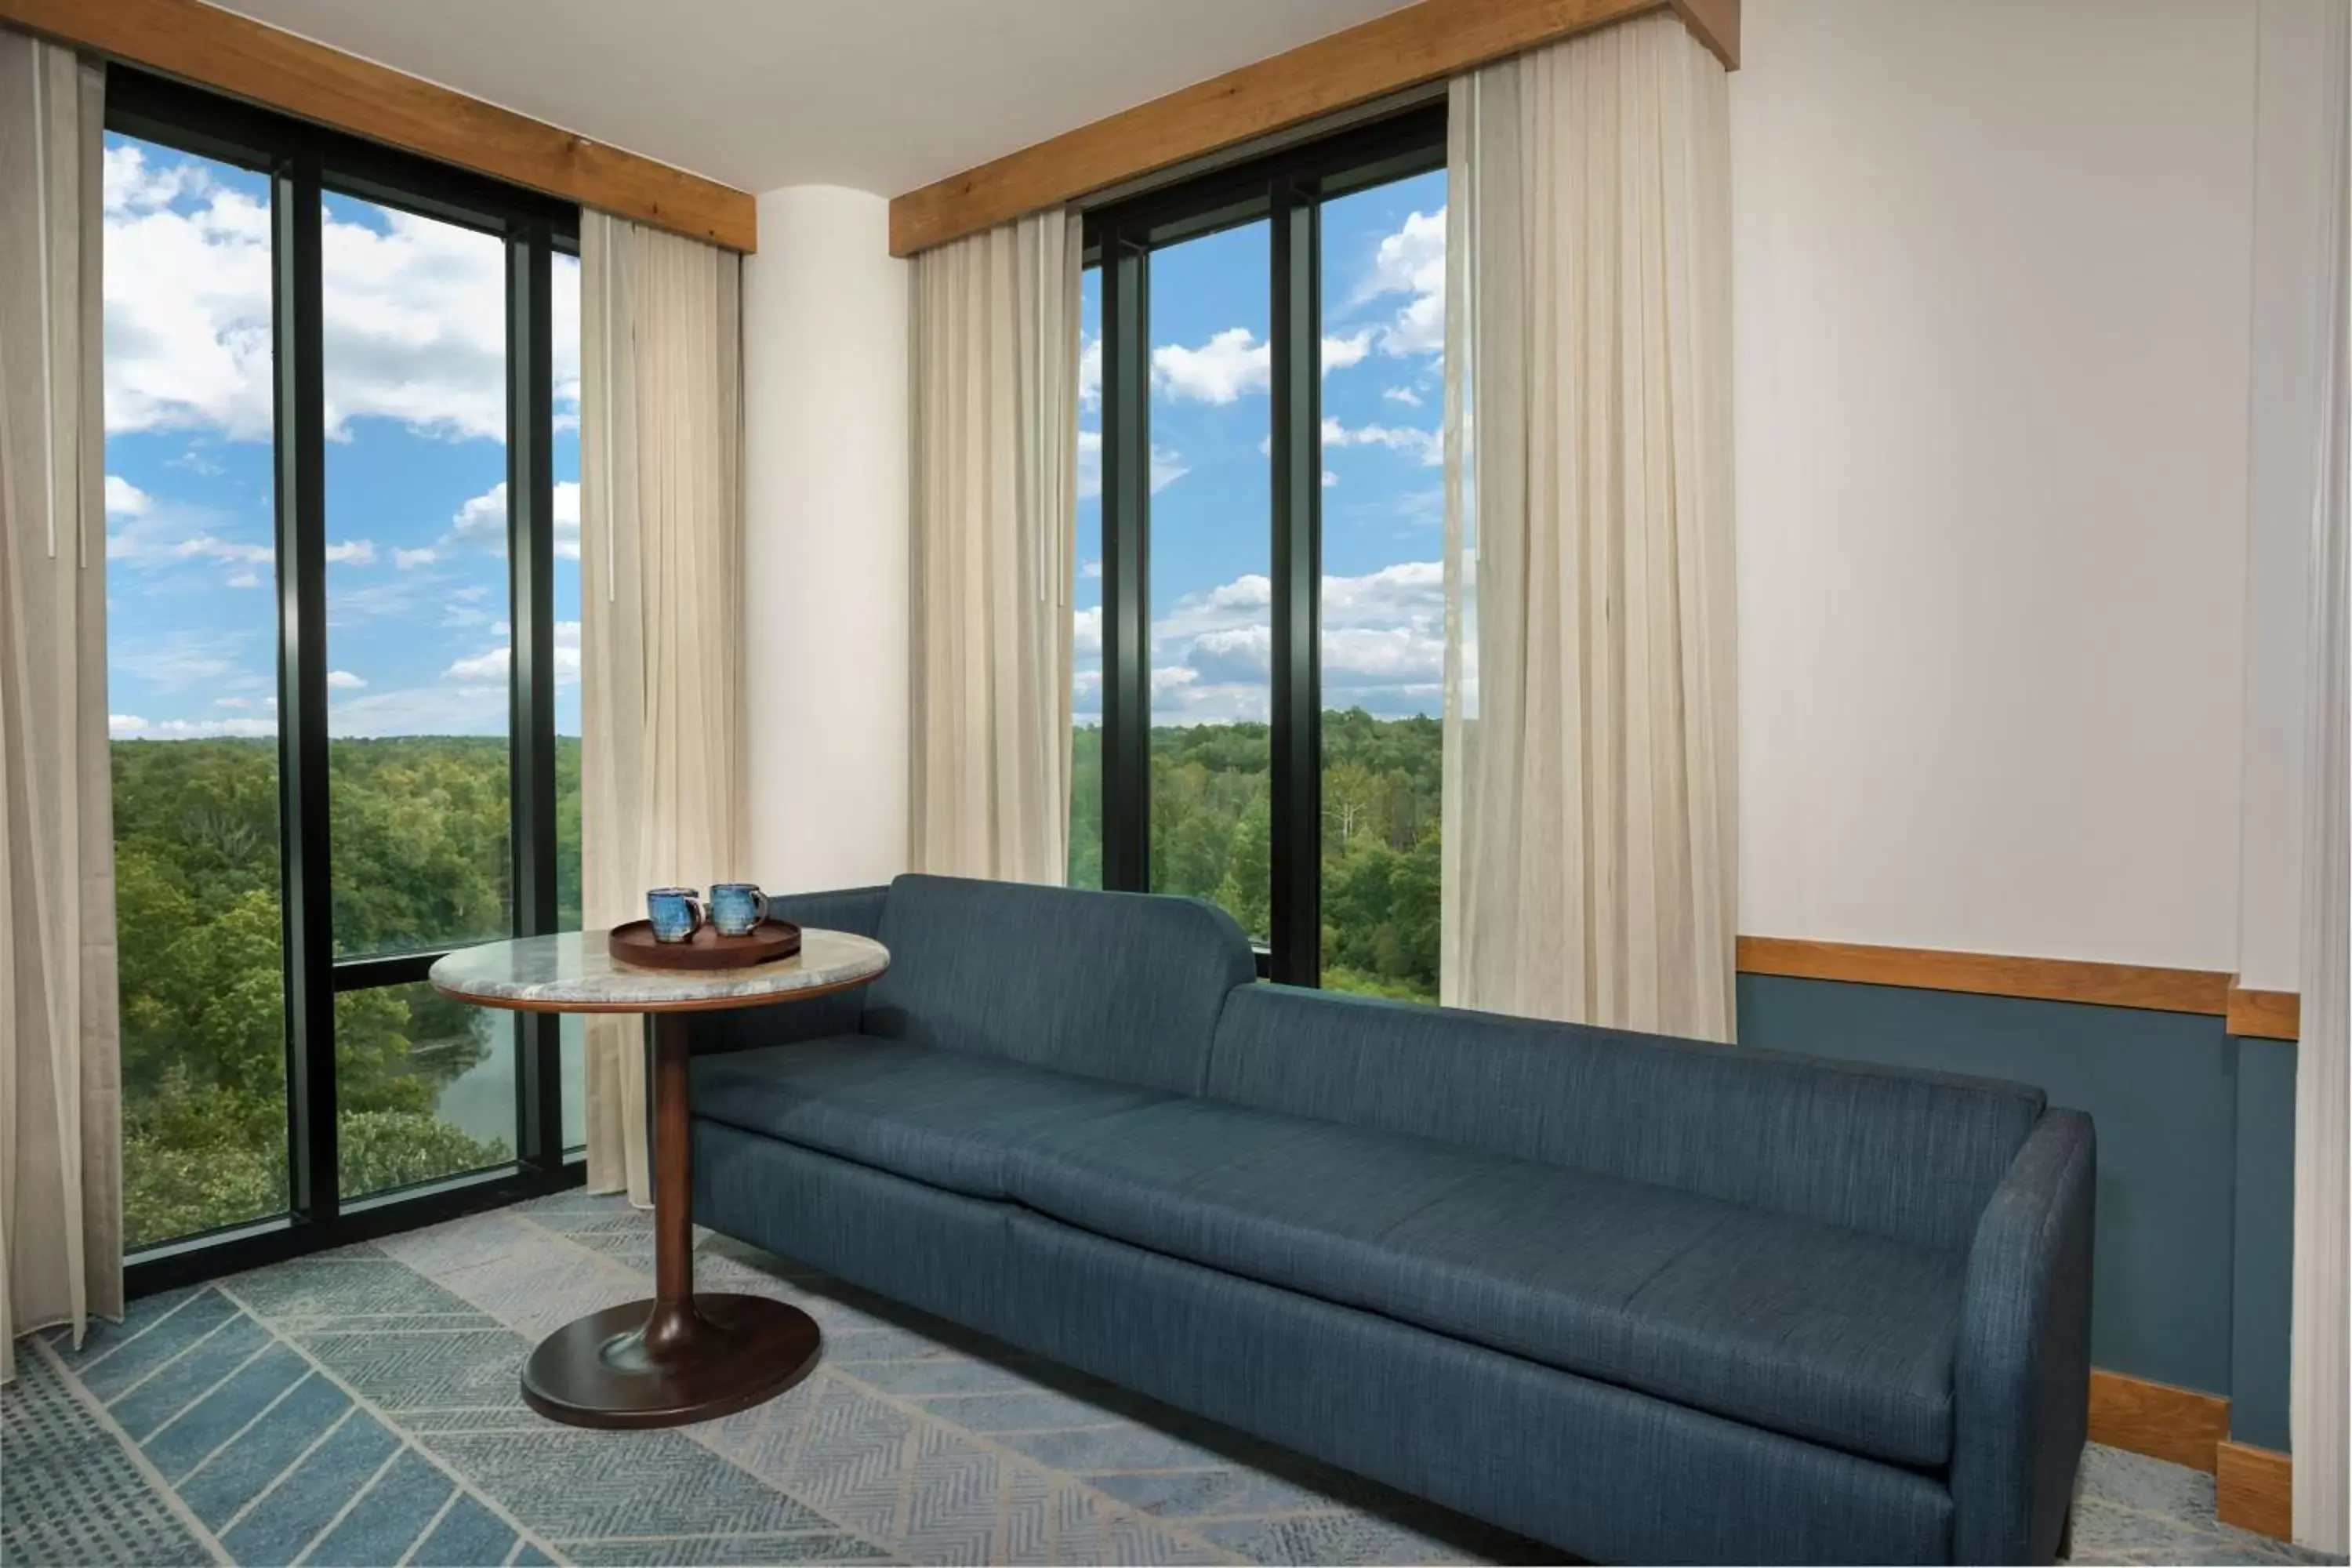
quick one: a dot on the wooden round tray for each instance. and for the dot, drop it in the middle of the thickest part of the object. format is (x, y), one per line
(769, 941)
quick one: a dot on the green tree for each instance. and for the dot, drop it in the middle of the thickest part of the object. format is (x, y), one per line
(419, 834)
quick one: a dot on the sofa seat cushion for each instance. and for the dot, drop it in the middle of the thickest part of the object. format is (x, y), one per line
(937, 1116)
(1824, 1333)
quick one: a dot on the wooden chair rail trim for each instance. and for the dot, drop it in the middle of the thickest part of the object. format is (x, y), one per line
(2265, 1014)
(1405, 48)
(1990, 975)
(281, 70)
(2254, 1489)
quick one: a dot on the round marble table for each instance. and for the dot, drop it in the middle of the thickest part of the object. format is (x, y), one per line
(678, 1357)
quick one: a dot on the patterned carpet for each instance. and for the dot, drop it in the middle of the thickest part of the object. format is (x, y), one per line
(360, 1407)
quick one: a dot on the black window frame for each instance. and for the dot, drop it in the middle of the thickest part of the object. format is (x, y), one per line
(1287, 188)
(304, 163)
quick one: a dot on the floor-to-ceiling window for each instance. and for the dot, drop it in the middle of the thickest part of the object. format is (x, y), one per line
(1261, 617)
(343, 613)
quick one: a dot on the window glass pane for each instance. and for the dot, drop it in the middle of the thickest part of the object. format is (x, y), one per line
(417, 635)
(426, 1087)
(1383, 596)
(565, 271)
(418, 645)
(191, 630)
(1211, 554)
(1086, 601)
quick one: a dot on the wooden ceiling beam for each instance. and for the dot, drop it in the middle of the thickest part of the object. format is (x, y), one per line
(265, 65)
(1405, 48)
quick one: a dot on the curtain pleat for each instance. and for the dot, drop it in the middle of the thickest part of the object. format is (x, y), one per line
(1591, 723)
(61, 1096)
(995, 373)
(662, 785)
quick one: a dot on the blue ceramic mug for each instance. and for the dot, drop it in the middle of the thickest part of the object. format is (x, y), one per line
(735, 908)
(675, 913)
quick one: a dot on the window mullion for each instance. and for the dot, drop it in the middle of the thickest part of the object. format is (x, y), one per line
(531, 563)
(1295, 765)
(309, 891)
(1127, 599)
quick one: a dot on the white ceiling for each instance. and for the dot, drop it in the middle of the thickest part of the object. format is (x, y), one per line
(880, 95)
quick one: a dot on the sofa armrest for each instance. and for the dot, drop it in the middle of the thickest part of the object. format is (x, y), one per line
(2020, 1375)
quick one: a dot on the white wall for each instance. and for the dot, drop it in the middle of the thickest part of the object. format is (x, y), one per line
(824, 373)
(1992, 290)
(2291, 173)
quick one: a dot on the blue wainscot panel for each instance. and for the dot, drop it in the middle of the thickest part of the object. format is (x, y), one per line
(2162, 1090)
(2265, 1271)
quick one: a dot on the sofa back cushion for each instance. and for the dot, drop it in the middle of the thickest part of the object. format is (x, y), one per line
(857, 910)
(1124, 986)
(1910, 1156)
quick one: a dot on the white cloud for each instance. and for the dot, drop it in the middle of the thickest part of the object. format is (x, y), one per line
(482, 520)
(567, 520)
(1230, 363)
(407, 559)
(473, 710)
(1090, 372)
(344, 681)
(245, 579)
(1404, 395)
(1168, 465)
(188, 300)
(131, 727)
(1339, 354)
(1091, 569)
(415, 313)
(490, 665)
(493, 663)
(1383, 647)
(1426, 445)
(205, 546)
(1412, 261)
(1085, 633)
(353, 551)
(1329, 478)
(563, 304)
(124, 499)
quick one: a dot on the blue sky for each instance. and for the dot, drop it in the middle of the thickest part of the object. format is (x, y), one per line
(417, 623)
(416, 595)
(1384, 331)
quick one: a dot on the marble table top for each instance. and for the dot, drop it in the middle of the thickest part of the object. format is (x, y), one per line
(572, 973)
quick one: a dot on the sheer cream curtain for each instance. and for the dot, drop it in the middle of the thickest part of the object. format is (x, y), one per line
(60, 1099)
(2321, 1367)
(662, 770)
(1589, 717)
(995, 345)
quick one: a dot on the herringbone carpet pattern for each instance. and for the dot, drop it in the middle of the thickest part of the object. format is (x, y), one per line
(361, 1407)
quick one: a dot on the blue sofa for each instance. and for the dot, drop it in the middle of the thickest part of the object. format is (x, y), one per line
(1642, 1298)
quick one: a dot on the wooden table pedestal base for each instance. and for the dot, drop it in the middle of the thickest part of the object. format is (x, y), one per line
(645, 1364)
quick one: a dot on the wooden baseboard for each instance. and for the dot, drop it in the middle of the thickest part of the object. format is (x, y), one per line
(2157, 1419)
(2254, 1489)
